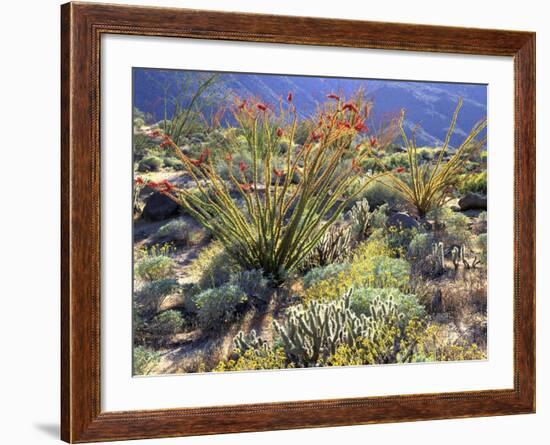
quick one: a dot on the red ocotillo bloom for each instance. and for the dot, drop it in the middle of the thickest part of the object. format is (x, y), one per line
(316, 136)
(242, 167)
(152, 184)
(289, 97)
(360, 126)
(245, 187)
(153, 134)
(139, 180)
(277, 172)
(333, 96)
(280, 132)
(399, 169)
(373, 141)
(167, 185)
(349, 106)
(261, 107)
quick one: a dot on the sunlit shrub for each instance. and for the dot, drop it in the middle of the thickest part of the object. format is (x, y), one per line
(473, 182)
(254, 360)
(481, 242)
(153, 268)
(323, 272)
(213, 266)
(152, 294)
(219, 306)
(435, 344)
(371, 266)
(176, 230)
(150, 164)
(174, 163)
(407, 304)
(145, 360)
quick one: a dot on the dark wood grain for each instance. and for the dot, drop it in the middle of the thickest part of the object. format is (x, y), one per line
(82, 26)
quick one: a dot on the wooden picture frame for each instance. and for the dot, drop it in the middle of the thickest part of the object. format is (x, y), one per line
(82, 26)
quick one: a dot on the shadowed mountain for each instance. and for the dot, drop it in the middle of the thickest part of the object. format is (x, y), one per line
(429, 105)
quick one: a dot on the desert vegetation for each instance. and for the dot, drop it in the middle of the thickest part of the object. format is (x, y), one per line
(265, 238)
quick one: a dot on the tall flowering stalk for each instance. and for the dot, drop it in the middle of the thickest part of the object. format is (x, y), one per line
(427, 186)
(268, 215)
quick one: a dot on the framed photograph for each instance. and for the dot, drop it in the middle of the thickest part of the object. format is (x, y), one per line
(275, 222)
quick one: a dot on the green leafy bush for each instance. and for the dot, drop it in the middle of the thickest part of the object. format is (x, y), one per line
(173, 163)
(176, 231)
(154, 268)
(323, 272)
(145, 360)
(381, 192)
(420, 246)
(153, 293)
(371, 266)
(213, 266)
(166, 324)
(407, 304)
(251, 282)
(150, 164)
(473, 182)
(219, 306)
(481, 243)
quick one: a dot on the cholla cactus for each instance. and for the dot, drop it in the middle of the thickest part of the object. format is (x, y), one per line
(312, 334)
(333, 248)
(457, 255)
(438, 257)
(251, 341)
(360, 218)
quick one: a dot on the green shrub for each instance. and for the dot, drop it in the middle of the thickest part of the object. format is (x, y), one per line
(213, 266)
(154, 268)
(251, 282)
(473, 182)
(219, 306)
(174, 163)
(145, 360)
(371, 266)
(420, 246)
(150, 164)
(153, 293)
(164, 325)
(323, 272)
(481, 243)
(406, 304)
(380, 192)
(379, 217)
(399, 238)
(176, 230)
(457, 230)
(254, 360)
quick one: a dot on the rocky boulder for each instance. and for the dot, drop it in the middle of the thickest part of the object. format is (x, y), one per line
(472, 201)
(159, 207)
(402, 220)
